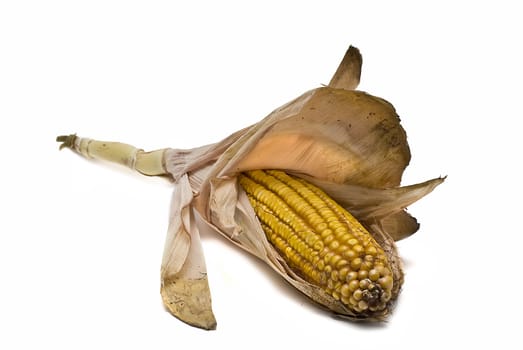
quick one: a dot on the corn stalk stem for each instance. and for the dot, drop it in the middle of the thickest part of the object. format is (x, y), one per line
(147, 163)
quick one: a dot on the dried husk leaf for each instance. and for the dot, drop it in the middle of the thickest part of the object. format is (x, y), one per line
(387, 206)
(337, 135)
(185, 288)
(348, 74)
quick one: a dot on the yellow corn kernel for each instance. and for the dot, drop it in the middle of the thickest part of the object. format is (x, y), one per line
(320, 240)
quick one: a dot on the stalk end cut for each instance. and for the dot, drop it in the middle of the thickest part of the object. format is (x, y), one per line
(67, 141)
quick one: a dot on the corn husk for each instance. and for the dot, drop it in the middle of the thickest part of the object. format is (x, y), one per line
(347, 142)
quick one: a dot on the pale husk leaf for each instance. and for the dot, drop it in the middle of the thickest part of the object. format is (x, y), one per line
(185, 288)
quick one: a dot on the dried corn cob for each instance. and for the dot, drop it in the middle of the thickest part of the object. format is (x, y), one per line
(320, 240)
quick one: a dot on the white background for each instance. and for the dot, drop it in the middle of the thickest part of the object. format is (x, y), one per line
(81, 242)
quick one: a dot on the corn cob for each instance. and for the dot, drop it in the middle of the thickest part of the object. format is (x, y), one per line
(321, 241)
